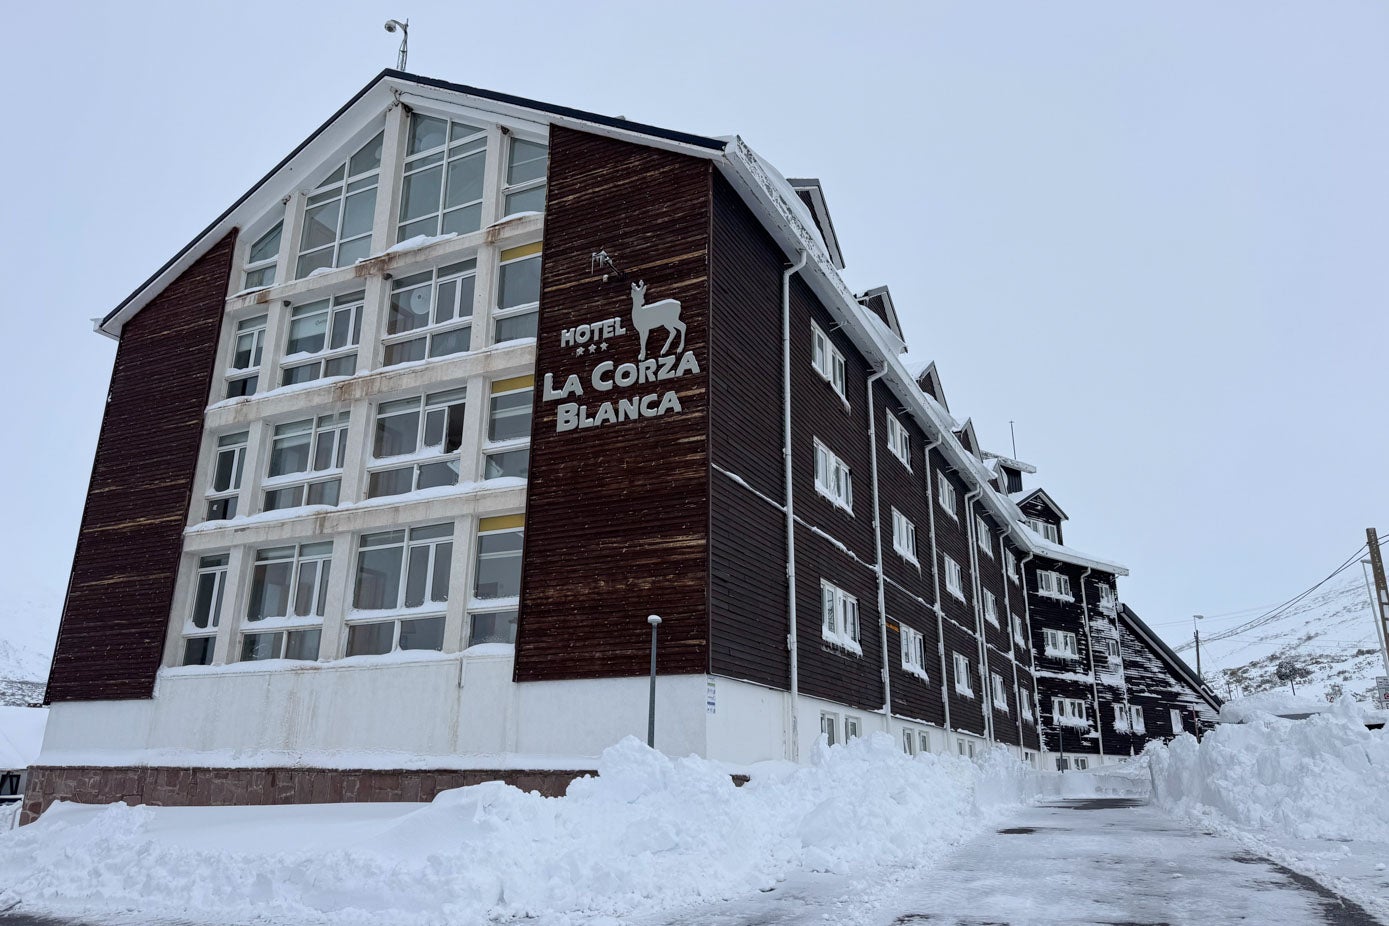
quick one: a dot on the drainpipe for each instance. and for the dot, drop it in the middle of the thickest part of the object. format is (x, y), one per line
(878, 550)
(1094, 676)
(1012, 637)
(935, 576)
(985, 694)
(791, 643)
(1032, 657)
(1123, 672)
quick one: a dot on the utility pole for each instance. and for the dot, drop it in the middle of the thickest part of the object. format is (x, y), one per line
(1196, 635)
(1381, 593)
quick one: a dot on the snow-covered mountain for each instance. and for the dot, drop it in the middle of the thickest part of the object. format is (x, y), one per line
(28, 626)
(1330, 633)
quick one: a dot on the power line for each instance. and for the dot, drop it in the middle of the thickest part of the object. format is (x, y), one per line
(1273, 614)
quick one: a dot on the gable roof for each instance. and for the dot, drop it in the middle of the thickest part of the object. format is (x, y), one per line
(810, 192)
(1041, 496)
(928, 381)
(968, 439)
(1168, 656)
(879, 301)
(381, 89)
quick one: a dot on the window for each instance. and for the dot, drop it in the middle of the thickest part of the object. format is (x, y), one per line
(963, 683)
(429, 430)
(289, 587)
(909, 741)
(1111, 648)
(200, 631)
(903, 535)
(954, 580)
(839, 617)
(431, 314)
(1025, 705)
(1010, 562)
(492, 627)
(323, 338)
(899, 441)
(990, 608)
(914, 653)
(243, 376)
(497, 579)
(1174, 717)
(982, 537)
(1000, 692)
(1080, 763)
(1019, 635)
(1068, 712)
(441, 190)
(402, 570)
(339, 213)
(923, 741)
(507, 454)
(261, 258)
(1054, 585)
(526, 164)
(829, 727)
(1129, 718)
(227, 466)
(306, 459)
(850, 728)
(832, 478)
(518, 294)
(1060, 644)
(1049, 531)
(945, 493)
(965, 748)
(1106, 597)
(827, 361)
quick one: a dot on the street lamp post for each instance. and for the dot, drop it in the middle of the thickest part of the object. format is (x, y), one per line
(655, 621)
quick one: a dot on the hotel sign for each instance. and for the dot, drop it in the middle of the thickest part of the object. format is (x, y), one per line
(622, 389)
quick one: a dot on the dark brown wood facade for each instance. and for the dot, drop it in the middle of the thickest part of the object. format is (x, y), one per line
(119, 595)
(617, 520)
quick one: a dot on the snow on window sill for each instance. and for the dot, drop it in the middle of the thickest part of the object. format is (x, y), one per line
(842, 642)
(958, 594)
(833, 500)
(1001, 708)
(1072, 722)
(909, 557)
(917, 671)
(1056, 597)
(964, 692)
(1060, 654)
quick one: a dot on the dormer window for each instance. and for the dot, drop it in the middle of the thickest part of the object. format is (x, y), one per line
(339, 213)
(1042, 528)
(260, 260)
(441, 190)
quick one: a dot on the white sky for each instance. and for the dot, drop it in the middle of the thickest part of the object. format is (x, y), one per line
(1152, 235)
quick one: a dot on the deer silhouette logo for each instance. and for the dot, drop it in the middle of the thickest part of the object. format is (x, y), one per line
(664, 314)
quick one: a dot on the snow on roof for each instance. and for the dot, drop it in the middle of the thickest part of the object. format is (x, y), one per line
(1018, 465)
(1044, 547)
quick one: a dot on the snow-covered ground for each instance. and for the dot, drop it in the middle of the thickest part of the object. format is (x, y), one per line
(1310, 794)
(649, 834)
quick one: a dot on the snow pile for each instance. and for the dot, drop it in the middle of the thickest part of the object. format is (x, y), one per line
(1276, 702)
(21, 736)
(650, 833)
(1320, 778)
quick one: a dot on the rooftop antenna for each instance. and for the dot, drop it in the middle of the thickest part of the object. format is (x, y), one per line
(1014, 436)
(391, 26)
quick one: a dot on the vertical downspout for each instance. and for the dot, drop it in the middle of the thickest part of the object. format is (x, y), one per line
(1012, 637)
(1032, 658)
(791, 643)
(878, 551)
(1094, 676)
(985, 682)
(935, 576)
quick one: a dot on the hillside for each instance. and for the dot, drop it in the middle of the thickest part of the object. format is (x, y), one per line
(1331, 634)
(28, 626)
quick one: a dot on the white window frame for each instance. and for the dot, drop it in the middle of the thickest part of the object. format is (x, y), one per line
(954, 578)
(439, 556)
(833, 478)
(211, 567)
(500, 611)
(1000, 693)
(909, 741)
(331, 359)
(1060, 644)
(508, 258)
(899, 441)
(1106, 596)
(453, 287)
(245, 380)
(829, 727)
(1174, 717)
(839, 617)
(1136, 721)
(514, 188)
(469, 142)
(964, 682)
(991, 608)
(1025, 705)
(257, 266)
(913, 645)
(1069, 712)
(1010, 561)
(309, 563)
(851, 728)
(327, 436)
(232, 447)
(492, 447)
(828, 362)
(441, 405)
(945, 495)
(1019, 633)
(343, 188)
(1044, 529)
(904, 536)
(1054, 585)
(982, 538)
(1111, 648)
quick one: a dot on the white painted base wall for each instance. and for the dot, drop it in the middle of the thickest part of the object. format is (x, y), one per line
(433, 710)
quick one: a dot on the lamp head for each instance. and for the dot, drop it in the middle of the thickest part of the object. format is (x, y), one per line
(393, 24)
(653, 619)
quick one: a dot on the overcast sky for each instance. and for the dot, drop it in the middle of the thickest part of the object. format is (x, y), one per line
(1152, 235)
